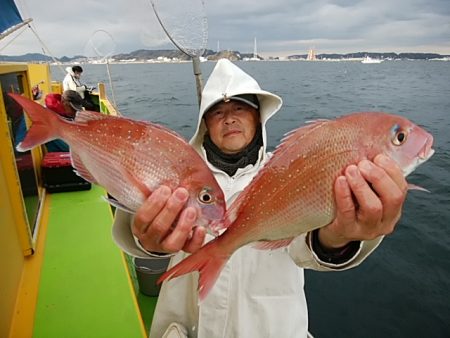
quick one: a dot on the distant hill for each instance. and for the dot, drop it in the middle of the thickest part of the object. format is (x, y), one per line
(147, 54)
(30, 57)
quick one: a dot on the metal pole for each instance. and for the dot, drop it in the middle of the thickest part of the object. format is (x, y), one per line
(198, 78)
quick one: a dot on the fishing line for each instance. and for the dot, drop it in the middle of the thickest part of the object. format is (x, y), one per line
(103, 45)
(44, 46)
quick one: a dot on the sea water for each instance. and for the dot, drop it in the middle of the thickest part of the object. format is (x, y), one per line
(403, 288)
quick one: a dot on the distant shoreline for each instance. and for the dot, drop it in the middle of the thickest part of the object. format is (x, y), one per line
(175, 56)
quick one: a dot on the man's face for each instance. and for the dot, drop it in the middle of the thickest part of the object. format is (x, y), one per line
(232, 125)
(77, 74)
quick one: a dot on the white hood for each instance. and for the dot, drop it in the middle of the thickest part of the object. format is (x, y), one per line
(70, 71)
(228, 80)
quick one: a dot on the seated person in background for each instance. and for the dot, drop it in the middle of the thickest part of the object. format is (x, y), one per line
(65, 105)
(72, 82)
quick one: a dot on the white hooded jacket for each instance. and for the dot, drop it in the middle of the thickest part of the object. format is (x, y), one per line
(258, 293)
(70, 82)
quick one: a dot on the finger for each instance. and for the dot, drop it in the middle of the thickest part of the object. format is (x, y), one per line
(150, 209)
(163, 222)
(390, 194)
(370, 207)
(177, 238)
(345, 206)
(196, 241)
(393, 170)
(383, 184)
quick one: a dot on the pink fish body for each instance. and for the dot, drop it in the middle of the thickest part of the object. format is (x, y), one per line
(130, 159)
(293, 193)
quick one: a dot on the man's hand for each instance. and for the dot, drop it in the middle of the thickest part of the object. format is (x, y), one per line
(369, 200)
(163, 224)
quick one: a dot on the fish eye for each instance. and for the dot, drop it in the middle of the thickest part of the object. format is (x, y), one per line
(205, 197)
(399, 138)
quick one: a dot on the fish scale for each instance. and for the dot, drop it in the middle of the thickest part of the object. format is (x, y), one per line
(293, 193)
(130, 159)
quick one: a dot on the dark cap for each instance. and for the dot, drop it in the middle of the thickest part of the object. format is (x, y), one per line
(250, 99)
(73, 98)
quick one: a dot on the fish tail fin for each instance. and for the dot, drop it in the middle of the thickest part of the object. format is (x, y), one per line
(208, 261)
(44, 123)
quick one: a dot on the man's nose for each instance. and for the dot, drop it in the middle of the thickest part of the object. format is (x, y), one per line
(229, 116)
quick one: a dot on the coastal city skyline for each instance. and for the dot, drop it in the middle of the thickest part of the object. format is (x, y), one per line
(281, 28)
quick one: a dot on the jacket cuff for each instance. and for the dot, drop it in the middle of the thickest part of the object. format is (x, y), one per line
(333, 259)
(152, 253)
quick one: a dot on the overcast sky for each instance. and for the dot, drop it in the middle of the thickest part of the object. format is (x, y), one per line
(281, 27)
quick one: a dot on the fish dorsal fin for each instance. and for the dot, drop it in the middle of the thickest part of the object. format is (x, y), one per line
(272, 245)
(85, 116)
(297, 134)
(80, 169)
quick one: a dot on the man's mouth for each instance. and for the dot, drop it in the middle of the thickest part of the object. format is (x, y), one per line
(231, 132)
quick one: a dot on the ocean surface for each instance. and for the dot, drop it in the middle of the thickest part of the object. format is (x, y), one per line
(403, 288)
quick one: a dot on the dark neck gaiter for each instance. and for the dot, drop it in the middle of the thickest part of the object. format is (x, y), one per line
(230, 163)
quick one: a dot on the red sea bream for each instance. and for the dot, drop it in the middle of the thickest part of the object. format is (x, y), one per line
(130, 159)
(293, 193)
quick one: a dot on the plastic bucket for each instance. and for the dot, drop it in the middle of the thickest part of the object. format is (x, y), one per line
(148, 272)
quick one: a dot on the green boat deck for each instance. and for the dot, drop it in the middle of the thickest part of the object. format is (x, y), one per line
(87, 288)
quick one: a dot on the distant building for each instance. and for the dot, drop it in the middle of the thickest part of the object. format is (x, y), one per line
(311, 55)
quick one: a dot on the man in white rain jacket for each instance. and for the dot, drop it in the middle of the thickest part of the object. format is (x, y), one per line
(72, 80)
(258, 293)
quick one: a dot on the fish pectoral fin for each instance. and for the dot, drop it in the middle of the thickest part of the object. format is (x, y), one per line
(80, 169)
(272, 245)
(118, 205)
(416, 187)
(135, 181)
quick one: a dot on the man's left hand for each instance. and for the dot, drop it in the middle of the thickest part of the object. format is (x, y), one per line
(369, 200)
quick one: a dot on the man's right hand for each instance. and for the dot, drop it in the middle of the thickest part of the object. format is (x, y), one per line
(163, 224)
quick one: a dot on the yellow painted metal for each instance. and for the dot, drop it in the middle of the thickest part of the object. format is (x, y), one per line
(56, 87)
(16, 241)
(13, 192)
(105, 105)
(13, 68)
(24, 311)
(101, 91)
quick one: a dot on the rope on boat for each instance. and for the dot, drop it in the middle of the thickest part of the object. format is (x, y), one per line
(44, 46)
(111, 84)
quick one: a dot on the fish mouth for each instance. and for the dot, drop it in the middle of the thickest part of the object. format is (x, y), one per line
(426, 152)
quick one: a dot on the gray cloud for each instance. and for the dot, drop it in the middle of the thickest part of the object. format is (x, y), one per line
(281, 27)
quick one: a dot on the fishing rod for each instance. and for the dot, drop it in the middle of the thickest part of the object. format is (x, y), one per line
(192, 45)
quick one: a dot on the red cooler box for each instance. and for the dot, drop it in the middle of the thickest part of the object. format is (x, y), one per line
(58, 174)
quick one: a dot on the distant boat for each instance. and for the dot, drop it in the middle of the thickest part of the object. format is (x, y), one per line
(368, 59)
